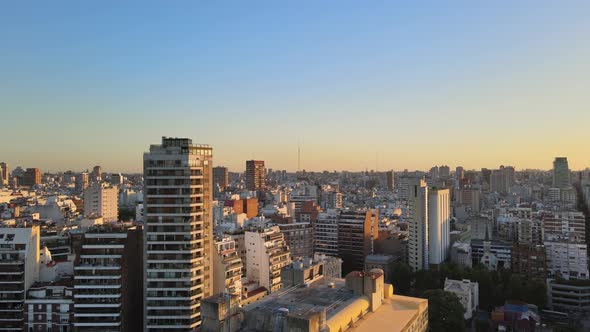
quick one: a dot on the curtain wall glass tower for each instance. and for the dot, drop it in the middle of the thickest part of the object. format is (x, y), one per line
(178, 241)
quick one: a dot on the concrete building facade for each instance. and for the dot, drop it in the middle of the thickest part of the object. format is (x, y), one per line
(19, 269)
(468, 293)
(357, 232)
(439, 225)
(220, 177)
(418, 244)
(325, 233)
(227, 267)
(255, 175)
(267, 253)
(102, 201)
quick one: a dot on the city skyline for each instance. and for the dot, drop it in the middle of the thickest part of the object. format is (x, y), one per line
(357, 88)
(87, 167)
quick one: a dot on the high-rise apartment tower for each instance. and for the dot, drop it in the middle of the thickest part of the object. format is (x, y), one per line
(178, 227)
(255, 177)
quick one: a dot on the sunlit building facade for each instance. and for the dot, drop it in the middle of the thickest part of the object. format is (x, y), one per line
(177, 213)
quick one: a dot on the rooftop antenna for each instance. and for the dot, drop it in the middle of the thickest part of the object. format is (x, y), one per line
(376, 161)
(298, 157)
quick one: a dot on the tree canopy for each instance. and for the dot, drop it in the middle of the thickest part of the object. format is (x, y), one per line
(445, 312)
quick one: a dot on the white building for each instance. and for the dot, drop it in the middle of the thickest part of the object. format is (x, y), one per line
(418, 246)
(227, 267)
(568, 260)
(267, 253)
(439, 220)
(130, 197)
(19, 269)
(102, 201)
(99, 280)
(468, 293)
(178, 191)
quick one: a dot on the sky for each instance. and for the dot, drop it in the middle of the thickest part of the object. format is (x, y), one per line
(356, 85)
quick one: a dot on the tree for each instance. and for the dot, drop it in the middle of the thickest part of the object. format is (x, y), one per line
(482, 326)
(536, 293)
(487, 289)
(445, 312)
(451, 271)
(401, 278)
(126, 214)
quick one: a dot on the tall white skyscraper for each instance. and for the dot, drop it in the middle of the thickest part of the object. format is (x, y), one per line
(178, 233)
(418, 247)
(439, 219)
(561, 173)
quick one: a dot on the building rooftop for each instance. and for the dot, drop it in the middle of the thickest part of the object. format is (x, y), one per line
(303, 301)
(378, 258)
(459, 285)
(396, 314)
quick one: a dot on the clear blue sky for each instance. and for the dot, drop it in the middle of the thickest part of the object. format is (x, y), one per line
(357, 84)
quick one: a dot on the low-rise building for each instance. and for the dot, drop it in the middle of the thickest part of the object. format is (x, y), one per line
(382, 262)
(461, 254)
(501, 250)
(570, 296)
(360, 302)
(514, 317)
(468, 293)
(301, 272)
(49, 306)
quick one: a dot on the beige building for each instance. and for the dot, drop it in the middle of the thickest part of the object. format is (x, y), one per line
(361, 302)
(101, 200)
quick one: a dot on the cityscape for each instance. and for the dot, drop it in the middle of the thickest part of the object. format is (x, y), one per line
(276, 166)
(190, 246)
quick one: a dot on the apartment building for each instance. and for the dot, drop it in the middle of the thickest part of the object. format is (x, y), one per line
(267, 253)
(19, 269)
(178, 220)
